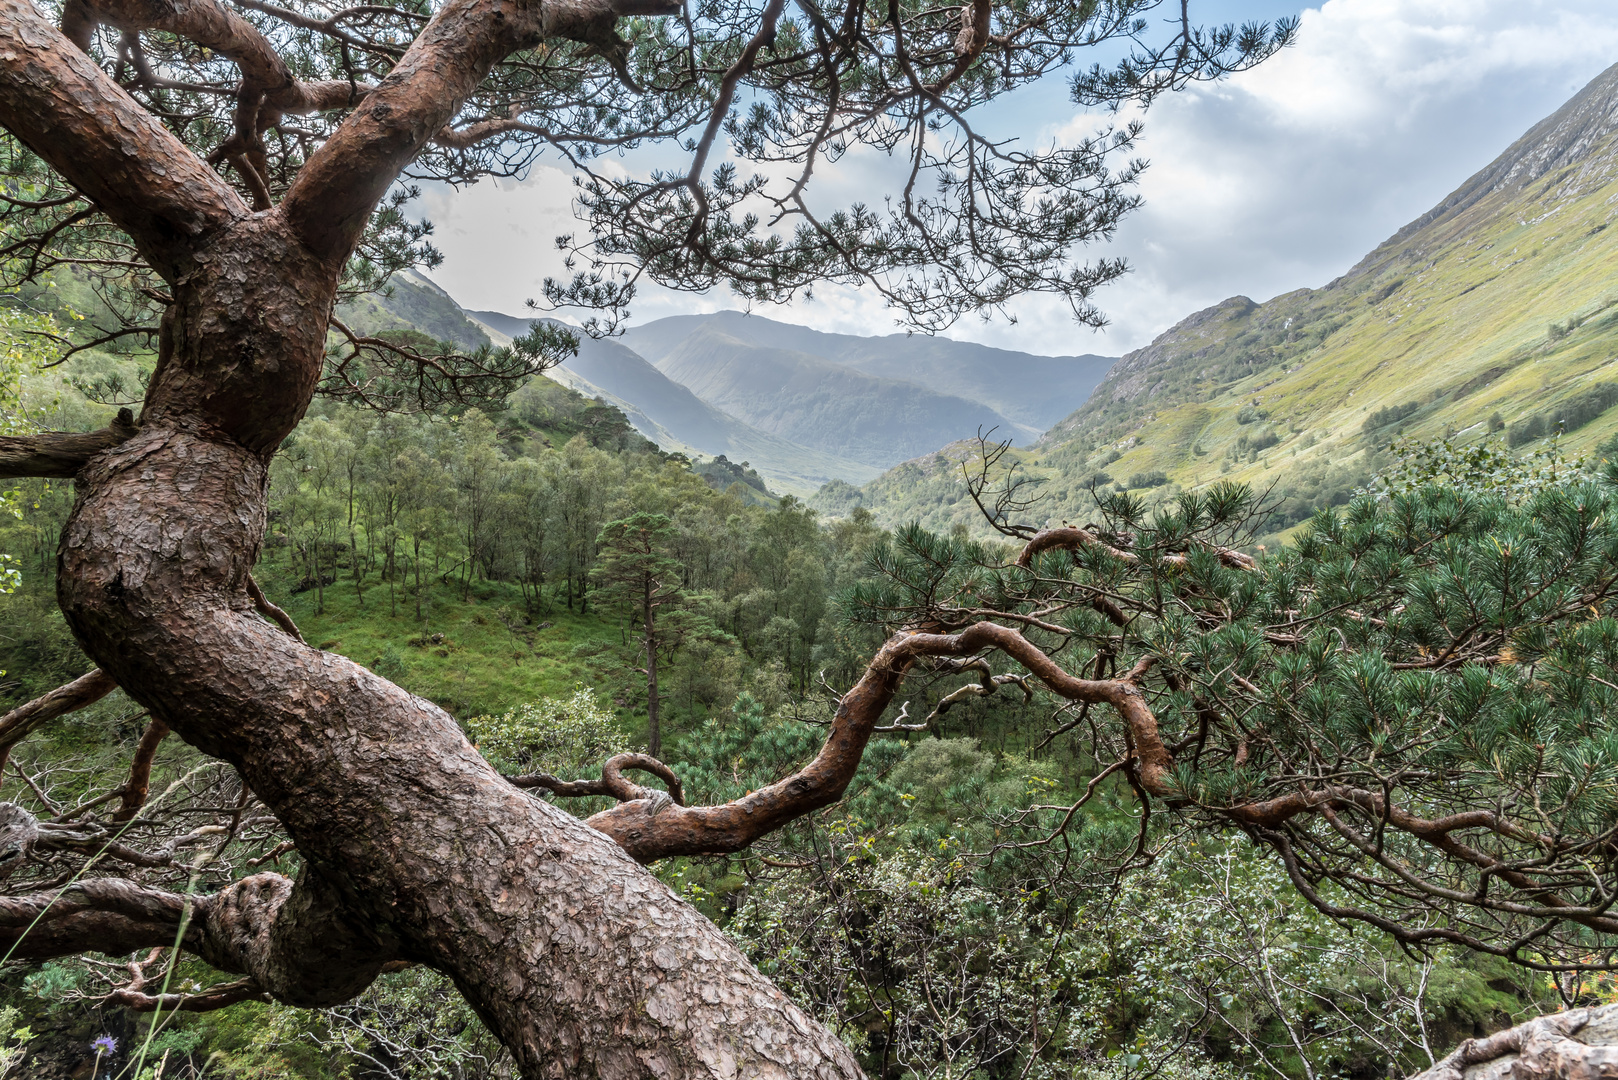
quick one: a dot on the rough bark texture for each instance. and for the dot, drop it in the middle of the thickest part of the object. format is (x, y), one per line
(60, 453)
(1580, 1044)
(414, 848)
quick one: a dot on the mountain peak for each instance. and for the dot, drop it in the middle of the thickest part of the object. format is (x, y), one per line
(1575, 142)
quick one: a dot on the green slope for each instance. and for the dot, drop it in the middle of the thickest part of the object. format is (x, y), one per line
(1499, 304)
(411, 302)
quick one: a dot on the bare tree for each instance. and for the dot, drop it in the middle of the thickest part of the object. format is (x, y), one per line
(224, 173)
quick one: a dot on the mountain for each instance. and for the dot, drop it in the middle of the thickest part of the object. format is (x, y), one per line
(677, 420)
(411, 301)
(799, 406)
(1496, 312)
(1032, 392)
(830, 407)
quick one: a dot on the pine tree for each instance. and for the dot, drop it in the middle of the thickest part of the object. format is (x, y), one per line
(636, 573)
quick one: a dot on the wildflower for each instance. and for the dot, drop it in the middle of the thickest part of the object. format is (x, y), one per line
(105, 1044)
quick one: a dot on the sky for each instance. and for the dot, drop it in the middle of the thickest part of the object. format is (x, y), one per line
(1276, 179)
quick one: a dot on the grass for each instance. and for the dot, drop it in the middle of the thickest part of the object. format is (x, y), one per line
(479, 655)
(1479, 299)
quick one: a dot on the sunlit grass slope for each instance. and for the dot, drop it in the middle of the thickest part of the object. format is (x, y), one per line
(1503, 299)
(484, 653)
(1499, 304)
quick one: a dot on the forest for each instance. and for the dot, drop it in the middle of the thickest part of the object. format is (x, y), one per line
(377, 707)
(951, 916)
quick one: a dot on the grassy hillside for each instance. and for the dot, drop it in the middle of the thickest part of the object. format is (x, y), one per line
(1494, 314)
(412, 302)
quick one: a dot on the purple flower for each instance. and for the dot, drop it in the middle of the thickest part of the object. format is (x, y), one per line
(106, 1044)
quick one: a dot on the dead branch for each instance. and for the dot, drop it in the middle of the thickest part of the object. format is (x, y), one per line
(276, 615)
(1572, 1045)
(899, 724)
(217, 996)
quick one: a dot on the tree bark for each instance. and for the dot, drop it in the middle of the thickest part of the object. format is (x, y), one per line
(415, 849)
(1580, 1044)
(60, 454)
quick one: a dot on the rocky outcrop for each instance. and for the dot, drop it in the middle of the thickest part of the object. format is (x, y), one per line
(1580, 1044)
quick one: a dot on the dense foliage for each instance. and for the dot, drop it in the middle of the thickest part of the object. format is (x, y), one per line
(959, 913)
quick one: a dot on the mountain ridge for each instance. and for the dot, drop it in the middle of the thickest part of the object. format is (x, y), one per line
(817, 403)
(1026, 388)
(679, 421)
(1490, 314)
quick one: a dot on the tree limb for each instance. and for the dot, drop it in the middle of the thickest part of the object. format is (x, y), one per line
(1070, 538)
(649, 833)
(68, 111)
(271, 612)
(61, 454)
(332, 197)
(133, 795)
(214, 26)
(1572, 1045)
(217, 996)
(613, 783)
(22, 721)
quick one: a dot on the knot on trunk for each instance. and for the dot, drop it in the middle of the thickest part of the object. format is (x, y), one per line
(292, 939)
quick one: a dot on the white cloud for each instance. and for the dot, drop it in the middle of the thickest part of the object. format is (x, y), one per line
(1277, 179)
(1284, 176)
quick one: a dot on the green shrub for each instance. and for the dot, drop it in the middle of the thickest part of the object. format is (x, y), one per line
(1584, 407)
(934, 766)
(1259, 440)
(567, 738)
(1392, 414)
(1525, 431)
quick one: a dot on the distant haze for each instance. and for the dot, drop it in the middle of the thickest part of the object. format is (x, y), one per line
(805, 407)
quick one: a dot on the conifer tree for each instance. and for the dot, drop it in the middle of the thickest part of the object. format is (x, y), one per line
(635, 573)
(227, 171)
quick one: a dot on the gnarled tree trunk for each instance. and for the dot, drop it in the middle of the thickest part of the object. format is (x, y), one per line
(415, 849)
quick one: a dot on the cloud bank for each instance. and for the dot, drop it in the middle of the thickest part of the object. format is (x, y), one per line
(1277, 179)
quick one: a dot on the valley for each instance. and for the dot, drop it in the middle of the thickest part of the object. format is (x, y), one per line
(1493, 315)
(802, 407)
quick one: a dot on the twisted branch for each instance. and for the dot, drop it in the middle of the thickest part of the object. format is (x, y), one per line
(613, 783)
